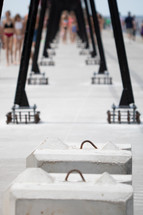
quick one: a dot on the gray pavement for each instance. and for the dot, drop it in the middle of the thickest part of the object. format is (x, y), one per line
(72, 109)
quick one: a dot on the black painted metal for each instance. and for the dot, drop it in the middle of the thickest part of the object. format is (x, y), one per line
(1, 6)
(48, 33)
(127, 97)
(20, 96)
(103, 66)
(56, 26)
(35, 67)
(80, 28)
(81, 24)
(94, 52)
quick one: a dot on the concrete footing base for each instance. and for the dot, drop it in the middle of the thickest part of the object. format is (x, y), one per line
(36, 192)
(92, 61)
(101, 79)
(47, 63)
(57, 157)
(37, 79)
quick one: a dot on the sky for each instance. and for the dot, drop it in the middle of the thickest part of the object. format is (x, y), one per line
(135, 6)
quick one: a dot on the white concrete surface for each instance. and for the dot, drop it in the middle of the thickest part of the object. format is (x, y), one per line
(35, 192)
(56, 157)
(56, 143)
(91, 178)
(72, 109)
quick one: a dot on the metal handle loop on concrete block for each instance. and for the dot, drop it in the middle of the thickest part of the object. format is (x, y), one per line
(77, 171)
(88, 141)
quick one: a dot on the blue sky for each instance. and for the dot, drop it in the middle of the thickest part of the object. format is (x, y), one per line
(135, 6)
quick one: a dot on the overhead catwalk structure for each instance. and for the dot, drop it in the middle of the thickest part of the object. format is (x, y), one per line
(126, 111)
(22, 111)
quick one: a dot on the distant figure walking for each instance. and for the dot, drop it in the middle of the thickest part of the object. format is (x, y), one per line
(100, 21)
(129, 25)
(141, 31)
(18, 37)
(135, 24)
(8, 29)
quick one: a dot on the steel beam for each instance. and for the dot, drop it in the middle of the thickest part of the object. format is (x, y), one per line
(80, 28)
(20, 96)
(103, 66)
(35, 67)
(1, 6)
(94, 52)
(81, 23)
(48, 33)
(127, 97)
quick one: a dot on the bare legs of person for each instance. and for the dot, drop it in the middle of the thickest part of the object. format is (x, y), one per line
(18, 45)
(9, 49)
(64, 35)
(73, 37)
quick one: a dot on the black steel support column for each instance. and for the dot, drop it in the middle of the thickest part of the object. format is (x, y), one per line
(1, 6)
(55, 26)
(103, 66)
(127, 97)
(35, 67)
(48, 33)
(82, 24)
(20, 96)
(94, 52)
(80, 29)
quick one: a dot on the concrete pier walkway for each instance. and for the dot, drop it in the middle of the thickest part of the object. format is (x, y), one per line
(72, 109)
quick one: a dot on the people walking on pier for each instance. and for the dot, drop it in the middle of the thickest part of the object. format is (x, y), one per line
(18, 37)
(129, 25)
(100, 21)
(8, 29)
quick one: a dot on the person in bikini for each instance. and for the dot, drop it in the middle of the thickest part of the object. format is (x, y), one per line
(8, 29)
(18, 37)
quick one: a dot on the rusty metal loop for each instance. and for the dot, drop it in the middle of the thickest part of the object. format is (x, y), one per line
(77, 171)
(88, 141)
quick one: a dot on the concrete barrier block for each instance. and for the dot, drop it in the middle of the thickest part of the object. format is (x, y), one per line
(108, 146)
(91, 178)
(49, 196)
(58, 157)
